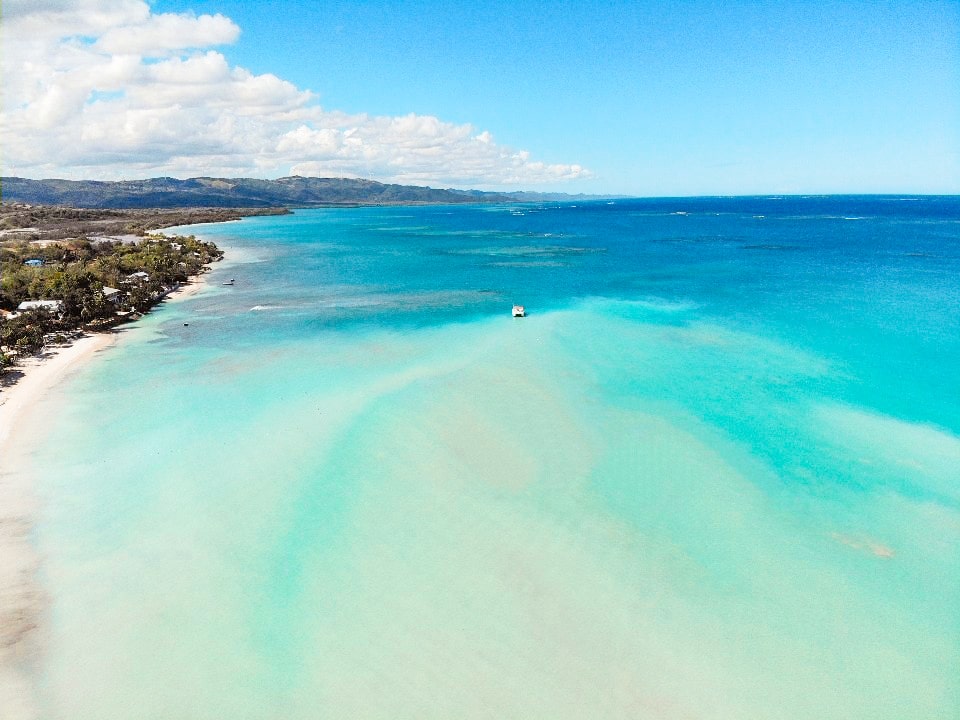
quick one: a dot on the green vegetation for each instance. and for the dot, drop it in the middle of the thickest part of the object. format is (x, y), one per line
(206, 192)
(95, 285)
(58, 222)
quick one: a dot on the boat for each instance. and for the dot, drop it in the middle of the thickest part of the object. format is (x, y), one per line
(229, 282)
(519, 311)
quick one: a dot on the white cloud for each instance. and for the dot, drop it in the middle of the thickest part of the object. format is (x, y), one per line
(167, 32)
(106, 88)
(64, 18)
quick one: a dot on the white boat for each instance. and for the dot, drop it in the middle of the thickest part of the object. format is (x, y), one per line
(229, 282)
(518, 311)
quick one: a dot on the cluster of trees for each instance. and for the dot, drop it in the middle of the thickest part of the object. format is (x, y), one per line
(25, 334)
(76, 273)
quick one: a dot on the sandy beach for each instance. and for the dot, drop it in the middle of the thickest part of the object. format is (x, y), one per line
(188, 289)
(21, 600)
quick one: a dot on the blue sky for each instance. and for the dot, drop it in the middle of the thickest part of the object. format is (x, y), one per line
(648, 98)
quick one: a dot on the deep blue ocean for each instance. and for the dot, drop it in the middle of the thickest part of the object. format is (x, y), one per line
(715, 473)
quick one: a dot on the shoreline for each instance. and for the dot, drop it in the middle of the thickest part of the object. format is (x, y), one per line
(22, 601)
(28, 367)
(193, 286)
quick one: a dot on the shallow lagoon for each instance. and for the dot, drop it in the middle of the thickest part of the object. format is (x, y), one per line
(712, 475)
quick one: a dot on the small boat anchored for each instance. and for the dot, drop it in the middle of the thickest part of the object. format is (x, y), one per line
(519, 311)
(228, 282)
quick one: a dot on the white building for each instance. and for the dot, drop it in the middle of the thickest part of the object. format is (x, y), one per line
(51, 305)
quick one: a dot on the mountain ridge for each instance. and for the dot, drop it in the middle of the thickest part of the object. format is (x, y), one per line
(214, 192)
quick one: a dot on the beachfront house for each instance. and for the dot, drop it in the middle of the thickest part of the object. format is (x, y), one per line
(53, 306)
(138, 277)
(111, 294)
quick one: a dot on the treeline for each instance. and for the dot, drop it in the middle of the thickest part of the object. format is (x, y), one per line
(58, 222)
(87, 285)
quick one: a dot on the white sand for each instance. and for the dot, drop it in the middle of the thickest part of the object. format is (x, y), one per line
(192, 287)
(21, 602)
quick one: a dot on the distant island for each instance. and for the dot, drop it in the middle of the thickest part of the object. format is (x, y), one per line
(208, 192)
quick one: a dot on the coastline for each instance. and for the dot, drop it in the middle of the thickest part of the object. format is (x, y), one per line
(194, 286)
(52, 360)
(22, 602)
(676, 497)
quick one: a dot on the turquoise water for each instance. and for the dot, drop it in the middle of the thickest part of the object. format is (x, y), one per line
(714, 474)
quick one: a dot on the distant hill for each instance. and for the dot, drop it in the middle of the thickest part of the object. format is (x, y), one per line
(209, 192)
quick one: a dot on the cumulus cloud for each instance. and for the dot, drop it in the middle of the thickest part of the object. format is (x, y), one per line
(108, 88)
(168, 32)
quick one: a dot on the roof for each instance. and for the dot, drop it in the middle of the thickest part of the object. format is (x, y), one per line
(40, 304)
(109, 292)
